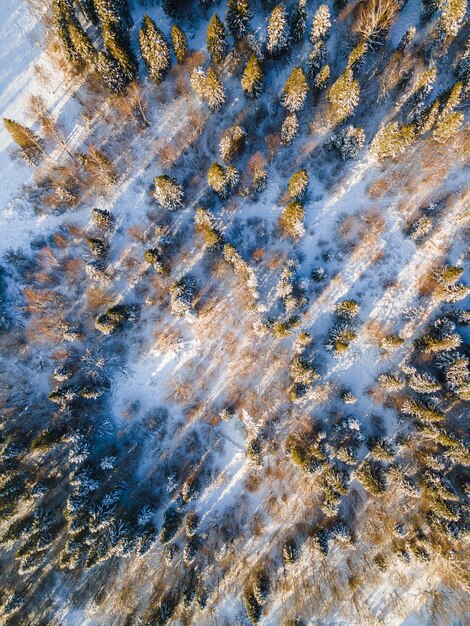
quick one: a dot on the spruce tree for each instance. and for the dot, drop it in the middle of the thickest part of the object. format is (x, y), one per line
(290, 129)
(217, 180)
(180, 47)
(115, 15)
(299, 21)
(344, 96)
(198, 81)
(214, 90)
(321, 24)
(252, 79)
(64, 15)
(168, 193)
(316, 58)
(113, 75)
(81, 43)
(295, 91)
(278, 34)
(154, 49)
(119, 48)
(292, 220)
(30, 144)
(298, 184)
(238, 18)
(232, 143)
(322, 77)
(349, 142)
(216, 39)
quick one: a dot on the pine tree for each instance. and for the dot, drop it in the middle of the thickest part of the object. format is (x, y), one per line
(252, 79)
(111, 72)
(180, 47)
(344, 95)
(238, 18)
(214, 90)
(216, 39)
(321, 24)
(289, 129)
(298, 24)
(30, 144)
(217, 180)
(295, 91)
(278, 35)
(168, 193)
(154, 49)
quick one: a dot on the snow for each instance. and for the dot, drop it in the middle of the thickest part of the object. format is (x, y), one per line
(147, 373)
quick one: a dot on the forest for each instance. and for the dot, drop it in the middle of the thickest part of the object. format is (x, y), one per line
(234, 287)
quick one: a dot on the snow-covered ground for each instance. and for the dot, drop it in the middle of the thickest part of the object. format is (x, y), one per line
(216, 358)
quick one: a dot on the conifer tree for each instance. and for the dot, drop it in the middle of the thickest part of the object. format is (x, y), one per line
(119, 48)
(278, 34)
(180, 47)
(115, 15)
(81, 43)
(216, 39)
(30, 144)
(198, 81)
(252, 79)
(452, 17)
(298, 184)
(322, 77)
(349, 142)
(298, 24)
(154, 49)
(316, 58)
(321, 24)
(116, 20)
(407, 38)
(214, 90)
(113, 75)
(168, 193)
(344, 95)
(295, 91)
(289, 130)
(238, 18)
(232, 143)
(208, 87)
(292, 220)
(64, 15)
(89, 10)
(217, 180)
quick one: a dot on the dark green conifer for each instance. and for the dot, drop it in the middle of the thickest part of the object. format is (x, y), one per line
(216, 40)
(154, 49)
